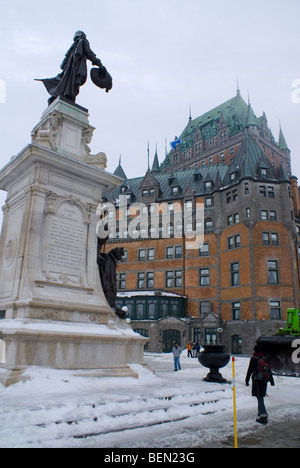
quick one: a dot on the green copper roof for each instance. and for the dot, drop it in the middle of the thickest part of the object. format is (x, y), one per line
(235, 112)
(120, 172)
(251, 119)
(249, 163)
(282, 143)
(155, 165)
(250, 159)
(238, 117)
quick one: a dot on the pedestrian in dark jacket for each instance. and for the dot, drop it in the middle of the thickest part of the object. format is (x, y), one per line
(194, 350)
(259, 387)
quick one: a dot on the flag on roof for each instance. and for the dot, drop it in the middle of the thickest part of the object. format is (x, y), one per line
(176, 142)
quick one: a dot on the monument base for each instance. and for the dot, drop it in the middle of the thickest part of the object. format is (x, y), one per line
(11, 376)
(90, 350)
(55, 312)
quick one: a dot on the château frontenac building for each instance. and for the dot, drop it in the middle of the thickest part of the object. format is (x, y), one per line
(238, 281)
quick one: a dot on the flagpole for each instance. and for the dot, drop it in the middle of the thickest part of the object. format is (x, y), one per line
(234, 403)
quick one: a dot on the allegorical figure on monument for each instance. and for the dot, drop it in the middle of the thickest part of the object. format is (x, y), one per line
(107, 269)
(74, 71)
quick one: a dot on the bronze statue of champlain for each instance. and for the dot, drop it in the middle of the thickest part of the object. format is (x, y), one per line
(67, 85)
(74, 71)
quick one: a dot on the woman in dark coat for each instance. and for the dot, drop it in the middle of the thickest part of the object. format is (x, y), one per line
(259, 388)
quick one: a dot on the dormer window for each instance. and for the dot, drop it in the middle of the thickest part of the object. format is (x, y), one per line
(171, 179)
(197, 174)
(263, 172)
(175, 190)
(208, 186)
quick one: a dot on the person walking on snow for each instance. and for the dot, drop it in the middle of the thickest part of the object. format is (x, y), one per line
(261, 374)
(176, 353)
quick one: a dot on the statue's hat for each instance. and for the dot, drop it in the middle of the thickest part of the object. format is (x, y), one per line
(101, 78)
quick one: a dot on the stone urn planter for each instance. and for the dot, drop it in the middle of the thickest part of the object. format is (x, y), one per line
(214, 358)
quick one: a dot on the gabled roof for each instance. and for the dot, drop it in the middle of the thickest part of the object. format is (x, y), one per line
(149, 180)
(184, 179)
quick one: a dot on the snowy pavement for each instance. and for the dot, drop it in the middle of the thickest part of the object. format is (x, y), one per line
(163, 410)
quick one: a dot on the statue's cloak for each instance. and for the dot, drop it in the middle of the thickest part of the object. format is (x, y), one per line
(74, 74)
(107, 269)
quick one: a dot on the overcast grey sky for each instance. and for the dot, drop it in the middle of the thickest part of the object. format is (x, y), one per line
(164, 56)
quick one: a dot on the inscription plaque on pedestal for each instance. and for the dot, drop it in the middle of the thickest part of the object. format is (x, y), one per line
(65, 250)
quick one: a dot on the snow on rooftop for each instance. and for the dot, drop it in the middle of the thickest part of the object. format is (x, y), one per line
(148, 293)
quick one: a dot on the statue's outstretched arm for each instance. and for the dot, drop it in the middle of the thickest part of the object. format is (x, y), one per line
(90, 54)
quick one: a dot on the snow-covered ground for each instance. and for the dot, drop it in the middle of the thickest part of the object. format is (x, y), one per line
(165, 409)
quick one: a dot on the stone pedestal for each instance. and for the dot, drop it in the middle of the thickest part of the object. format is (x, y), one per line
(65, 129)
(55, 312)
